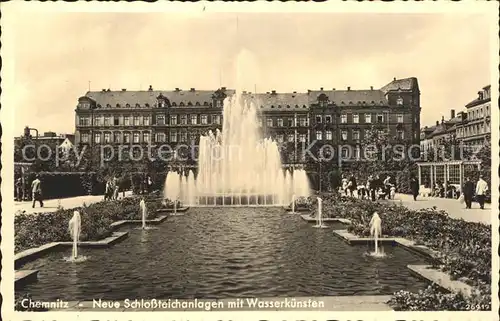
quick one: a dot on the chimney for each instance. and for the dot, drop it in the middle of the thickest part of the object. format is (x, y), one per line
(294, 92)
(442, 119)
(109, 89)
(394, 79)
(177, 89)
(223, 88)
(124, 89)
(104, 89)
(333, 88)
(150, 88)
(274, 92)
(321, 88)
(452, 113)
(437, 122)
(348, 88)
(192, 89)
(480, 95)
(371, 87)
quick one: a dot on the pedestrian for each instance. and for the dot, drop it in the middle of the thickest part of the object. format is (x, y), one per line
(19, 189)
(353, 186)
(345, 183)
(115, 188)
(414, 186)
(468, 192)
(387, 186)
(370, 185)
(108, 193)
(36, 190)
(481, 189)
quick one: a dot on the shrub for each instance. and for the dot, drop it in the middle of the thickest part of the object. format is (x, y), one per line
(75, 184)
(434, 299)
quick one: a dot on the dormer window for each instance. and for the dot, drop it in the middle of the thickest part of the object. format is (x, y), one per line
(174, 104)
(117, 105)
(108, 105)
(137, 105)
(147, 105)
(399, 101)
(99, 106)
(189, 103)
(205, 103)
(219, 103)
(181, 104)
(197, 103)
(128, 105)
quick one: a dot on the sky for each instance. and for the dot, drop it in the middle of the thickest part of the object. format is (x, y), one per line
(58, 54)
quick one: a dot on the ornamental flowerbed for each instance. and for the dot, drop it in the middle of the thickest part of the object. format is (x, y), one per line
(464, 247)
(33, 230)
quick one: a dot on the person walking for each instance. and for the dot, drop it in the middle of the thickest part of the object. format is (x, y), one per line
(387, 186)
(481, 189)
(414, 186)
(468, 191)
(36, 190)
(19, 189)
(115, 187)
(353, 186)
(370, 185)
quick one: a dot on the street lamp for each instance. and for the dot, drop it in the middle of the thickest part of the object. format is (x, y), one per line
(27, 134)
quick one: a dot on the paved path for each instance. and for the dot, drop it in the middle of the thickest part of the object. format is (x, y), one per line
(67, 203)
(451, 206)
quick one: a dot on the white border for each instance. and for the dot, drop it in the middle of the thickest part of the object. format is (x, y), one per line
(13, 10)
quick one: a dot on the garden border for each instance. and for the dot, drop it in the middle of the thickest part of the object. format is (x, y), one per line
(438, 277)
(23, 277)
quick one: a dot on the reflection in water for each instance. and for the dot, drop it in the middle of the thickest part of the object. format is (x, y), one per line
(226, 252)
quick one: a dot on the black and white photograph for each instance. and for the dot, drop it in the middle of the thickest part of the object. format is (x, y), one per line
(226, 157)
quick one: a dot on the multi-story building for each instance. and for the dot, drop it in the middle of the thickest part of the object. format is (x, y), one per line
(475, 131)
(295, 120)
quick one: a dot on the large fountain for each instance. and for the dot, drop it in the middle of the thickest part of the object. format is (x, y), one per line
(237, 166)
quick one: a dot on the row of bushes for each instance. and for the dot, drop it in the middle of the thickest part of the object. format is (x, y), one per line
(33, 230)
(464, 247)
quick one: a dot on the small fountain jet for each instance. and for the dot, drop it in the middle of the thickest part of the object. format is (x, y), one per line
(319, 218)
(376, 232)
(144, 212)
(74, 227)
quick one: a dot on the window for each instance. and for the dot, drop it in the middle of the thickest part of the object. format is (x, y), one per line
(193, 136)
(303, 122)
(329, 135)
(279, 138)
(328, 119)
(259, 121)
(194, 120)
(290, 122)
(344, 135)
(400, 118)
(107, 138)
(173, 119)
(345, 152)
(97, 121)
(269, 122)
(323, 103)
(116, 121)
(381, 132)
(137, 120)
(173, 136)
(356, 153)
(136, 137)
(280, 122)
(319, 135)
(216, 119)
(184, 119)
(146, 121)
(399, 101)
(291, 138)
(401, 134)
(84, 121)
(85, 138)
(368, 118)
(116, 137)
(355, 118)
(97, 138)
(126, 121)
(160, 137)
(204, 119)
(107, 121)
(160, 119)
(343, 119)
(126, 137)
(219, 103)
(302, 138)
(146, 137)
(355, 134)
(183, 137)
(319, 119)
(380, 118)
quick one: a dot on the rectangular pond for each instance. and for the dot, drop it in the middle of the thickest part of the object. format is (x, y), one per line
(225, 253)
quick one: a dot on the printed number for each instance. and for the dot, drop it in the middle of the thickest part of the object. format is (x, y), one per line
(476, 307)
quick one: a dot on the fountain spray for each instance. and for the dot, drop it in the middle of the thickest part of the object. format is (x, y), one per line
(74, 227)
(144, 211)
(293, 203)
(376, 230)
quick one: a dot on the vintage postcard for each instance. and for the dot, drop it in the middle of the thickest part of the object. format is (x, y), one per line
(261, 161)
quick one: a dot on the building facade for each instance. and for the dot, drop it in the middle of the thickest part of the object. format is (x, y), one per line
(294, 120)
(475, 130)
